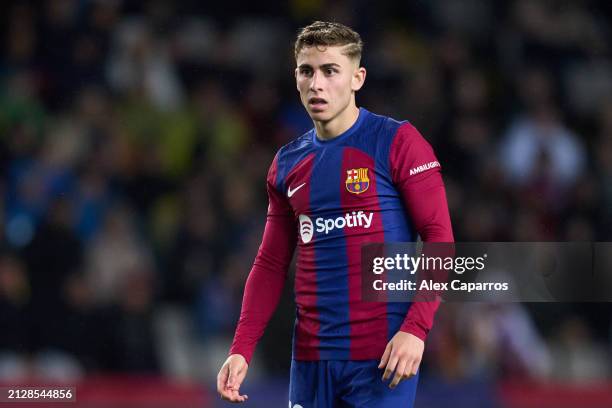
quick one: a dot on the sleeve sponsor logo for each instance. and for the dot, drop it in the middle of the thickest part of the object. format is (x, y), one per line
(424, 167)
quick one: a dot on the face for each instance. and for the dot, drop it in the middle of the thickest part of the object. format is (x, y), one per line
(327, 80)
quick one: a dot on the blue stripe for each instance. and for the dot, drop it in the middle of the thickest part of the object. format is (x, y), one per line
(332, 274)
(290, 155)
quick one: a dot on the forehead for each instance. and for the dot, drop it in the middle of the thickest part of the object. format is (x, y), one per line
(320, 55)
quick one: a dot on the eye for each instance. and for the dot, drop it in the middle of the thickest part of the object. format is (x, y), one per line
(305, 71)
(330, 71)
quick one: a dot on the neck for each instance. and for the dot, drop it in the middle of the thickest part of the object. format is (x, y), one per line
(338, 125)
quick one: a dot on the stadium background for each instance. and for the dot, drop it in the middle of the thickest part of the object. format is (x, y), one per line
(134, 142)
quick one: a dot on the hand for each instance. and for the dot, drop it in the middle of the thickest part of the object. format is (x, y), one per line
(230, 378)
(403, 356)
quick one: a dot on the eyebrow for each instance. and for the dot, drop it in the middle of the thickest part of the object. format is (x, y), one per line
(324, 66)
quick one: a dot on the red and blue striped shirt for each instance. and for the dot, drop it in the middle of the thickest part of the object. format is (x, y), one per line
(377, 182)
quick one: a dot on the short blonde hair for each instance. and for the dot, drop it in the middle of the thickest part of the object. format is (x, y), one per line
(326, 34)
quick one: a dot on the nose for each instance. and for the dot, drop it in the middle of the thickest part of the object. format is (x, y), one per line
(316, 81)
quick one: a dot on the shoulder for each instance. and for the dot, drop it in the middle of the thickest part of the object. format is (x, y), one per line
(290, 154)
(300, 143)
(294, 151)
(393, 138)
(391, 131)
(406, 136)
(410, 153)
(385, 125)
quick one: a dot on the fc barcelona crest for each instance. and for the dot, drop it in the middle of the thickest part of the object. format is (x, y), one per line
(357, 180)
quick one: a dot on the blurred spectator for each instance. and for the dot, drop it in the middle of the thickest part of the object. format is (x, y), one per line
(484, 341)
(539, 147)
(577, 356)
(193, 258)
(115, 255)
(141, 66)
(131, 345)
(53, 254)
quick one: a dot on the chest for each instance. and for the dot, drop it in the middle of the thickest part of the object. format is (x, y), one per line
(335, 180)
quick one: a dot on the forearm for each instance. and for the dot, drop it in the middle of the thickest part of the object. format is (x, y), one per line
(262, 293)
(265, 283)
(429, 209)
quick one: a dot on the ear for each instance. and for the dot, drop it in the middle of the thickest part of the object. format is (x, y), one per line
(296, 79)
(358, 79)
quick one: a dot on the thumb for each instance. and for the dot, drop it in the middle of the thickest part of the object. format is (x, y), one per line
(231, 378)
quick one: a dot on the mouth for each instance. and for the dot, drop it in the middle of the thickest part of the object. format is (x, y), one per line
(317, 103)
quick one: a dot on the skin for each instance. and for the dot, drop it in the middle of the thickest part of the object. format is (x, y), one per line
(402, 358)
(326, 73)
(230, 378)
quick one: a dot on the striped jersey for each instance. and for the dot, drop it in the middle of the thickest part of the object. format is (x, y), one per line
(379, 181)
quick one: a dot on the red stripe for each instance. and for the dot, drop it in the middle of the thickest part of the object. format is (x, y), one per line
(368, 320)
(307, 330)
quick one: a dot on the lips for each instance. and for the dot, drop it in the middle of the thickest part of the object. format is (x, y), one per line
(317, 103)
(316, 100)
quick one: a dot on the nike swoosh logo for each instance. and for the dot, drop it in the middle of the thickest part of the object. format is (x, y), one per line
(291, 192)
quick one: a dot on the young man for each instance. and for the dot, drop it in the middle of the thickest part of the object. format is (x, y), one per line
(355, 178)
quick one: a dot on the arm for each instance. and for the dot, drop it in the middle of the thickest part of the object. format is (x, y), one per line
(265, 283)
(262, 291)
(416, 174)
(428, 209)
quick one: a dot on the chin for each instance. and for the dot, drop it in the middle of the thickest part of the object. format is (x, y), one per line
(323, 116)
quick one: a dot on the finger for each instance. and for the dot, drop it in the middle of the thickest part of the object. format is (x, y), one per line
(385, 356)
(411, 369)
(227, 394)
(235, 378)
(239, 378)
(390, 367)
(231, 377)
(236, 397)
(399, 373)
(230, 395)
(414, 368)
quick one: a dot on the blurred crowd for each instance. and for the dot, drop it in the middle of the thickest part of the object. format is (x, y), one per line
(135, 138)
